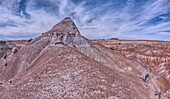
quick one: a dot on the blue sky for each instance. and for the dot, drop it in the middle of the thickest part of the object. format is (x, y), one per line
(96, 19)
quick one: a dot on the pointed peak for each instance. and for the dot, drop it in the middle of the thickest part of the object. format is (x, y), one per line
(67, 18)
(65, 26)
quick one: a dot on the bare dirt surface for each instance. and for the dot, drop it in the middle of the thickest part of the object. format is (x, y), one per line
(63, 64)
(155, 55)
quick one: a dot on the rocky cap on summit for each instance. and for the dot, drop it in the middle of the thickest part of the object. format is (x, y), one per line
(65, 26)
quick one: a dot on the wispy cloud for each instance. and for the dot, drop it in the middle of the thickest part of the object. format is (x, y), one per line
(130, 19)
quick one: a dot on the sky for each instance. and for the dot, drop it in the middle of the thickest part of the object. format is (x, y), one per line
(96, 19)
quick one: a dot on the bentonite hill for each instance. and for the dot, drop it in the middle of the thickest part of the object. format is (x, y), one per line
(62, 64)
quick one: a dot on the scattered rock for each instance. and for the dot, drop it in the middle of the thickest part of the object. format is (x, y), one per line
(30, 40)
(15, 51)
(5, 56)
(6, 64)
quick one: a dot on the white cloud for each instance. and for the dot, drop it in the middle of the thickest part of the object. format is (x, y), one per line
(127, 21)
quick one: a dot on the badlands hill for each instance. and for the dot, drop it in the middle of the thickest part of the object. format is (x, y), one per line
(63, 64)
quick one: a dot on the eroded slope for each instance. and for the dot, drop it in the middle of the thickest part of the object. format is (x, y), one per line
(155, 55)
(63, 64)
